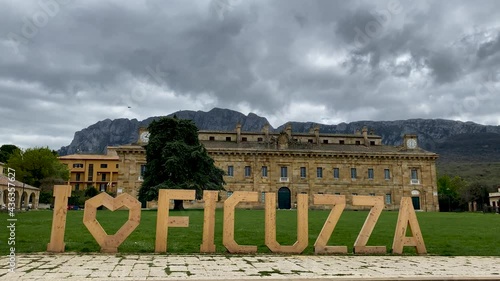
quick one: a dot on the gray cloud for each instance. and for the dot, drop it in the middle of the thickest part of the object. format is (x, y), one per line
(68, 64)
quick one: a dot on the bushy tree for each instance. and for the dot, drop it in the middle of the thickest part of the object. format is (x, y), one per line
(449, 190)
(34, 165)
(175, 159)
(6, 151)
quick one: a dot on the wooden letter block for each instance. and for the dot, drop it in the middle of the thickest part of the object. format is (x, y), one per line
(338, 202)
(210, 198)
(302, 226)
(61, 194)
(163, 221)
(110, 243)
(407, 217)
(377, 203)
(228, 235)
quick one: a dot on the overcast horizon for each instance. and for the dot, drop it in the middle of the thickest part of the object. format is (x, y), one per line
(65, 65)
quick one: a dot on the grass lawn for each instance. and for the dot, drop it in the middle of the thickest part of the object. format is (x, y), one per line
(454, 234)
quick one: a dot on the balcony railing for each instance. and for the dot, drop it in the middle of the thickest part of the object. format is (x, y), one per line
(414, 181)
(283, 179)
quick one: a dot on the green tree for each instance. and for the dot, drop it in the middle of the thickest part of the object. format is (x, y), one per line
(449, 190)
(477, 192)
(34, 165)
(175, 159)
(6, 151)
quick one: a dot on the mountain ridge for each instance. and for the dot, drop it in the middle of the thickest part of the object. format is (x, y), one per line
(453, 140)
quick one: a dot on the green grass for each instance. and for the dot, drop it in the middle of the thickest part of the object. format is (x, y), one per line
(453, 234)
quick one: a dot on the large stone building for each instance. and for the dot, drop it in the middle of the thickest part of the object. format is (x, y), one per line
(291, 163)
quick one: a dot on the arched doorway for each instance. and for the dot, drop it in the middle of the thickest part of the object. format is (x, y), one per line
(415, 199)
(284, 198)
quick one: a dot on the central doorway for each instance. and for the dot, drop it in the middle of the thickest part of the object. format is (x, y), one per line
(284, 198)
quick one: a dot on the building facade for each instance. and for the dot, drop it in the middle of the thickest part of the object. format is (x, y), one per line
(25, 195)
(312, 163)
(86, 170)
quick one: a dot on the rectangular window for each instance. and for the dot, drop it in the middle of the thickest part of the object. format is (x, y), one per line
(358, 142)
(370, 173)
(414, 174)
(336, 173)
(319, 172)
(244, 139)
(372, 194)
(104, 166)
(77, 165)
(248, 171)
(143, 170)
(310, 140)
(263, 197)
(302, 172)
(325, 141)
(102, 187)
(78, 175)
(117, 166)
(337, 193)
(372, 142)
(388, 199)
(228, 138)
(103, 177)
(341, 141)
(387, 174)
(264, 171)
(91, 172)
(77, 186)
(211, 138)
(260, 139)
(230, 171)
(353, 173)
(284, 172)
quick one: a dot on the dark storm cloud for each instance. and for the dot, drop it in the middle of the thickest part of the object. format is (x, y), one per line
(302, 60)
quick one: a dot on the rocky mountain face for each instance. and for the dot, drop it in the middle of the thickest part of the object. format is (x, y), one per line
(453, 140)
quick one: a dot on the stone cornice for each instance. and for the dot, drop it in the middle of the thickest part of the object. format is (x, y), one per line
(327, 154)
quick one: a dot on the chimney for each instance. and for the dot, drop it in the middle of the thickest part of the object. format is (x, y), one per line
(316, 133)
(238, 132)
(365, 136)
(288, 130)
(265, 130)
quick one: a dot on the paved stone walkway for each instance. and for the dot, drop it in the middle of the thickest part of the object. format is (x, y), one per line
(216, 267)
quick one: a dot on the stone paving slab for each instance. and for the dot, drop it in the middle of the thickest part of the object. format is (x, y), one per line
(267, 267)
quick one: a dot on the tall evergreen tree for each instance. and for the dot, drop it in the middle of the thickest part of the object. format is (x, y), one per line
(175, 159)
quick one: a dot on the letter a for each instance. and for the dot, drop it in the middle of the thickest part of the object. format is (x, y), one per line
(407, 217)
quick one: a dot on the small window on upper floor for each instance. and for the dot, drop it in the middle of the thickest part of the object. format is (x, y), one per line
(325, 141)
(260, 139)
(117, 166)
(211, 138)
(104, 165)
(230, 171)
(310, 140)
(228, 138)
(341, 141)
(358, 142)
(244, 139)
(372, 142)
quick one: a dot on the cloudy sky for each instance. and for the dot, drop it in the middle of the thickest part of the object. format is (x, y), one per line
(66, 64)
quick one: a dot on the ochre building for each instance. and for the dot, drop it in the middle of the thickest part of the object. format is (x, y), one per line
(86, 170)
(290, 163)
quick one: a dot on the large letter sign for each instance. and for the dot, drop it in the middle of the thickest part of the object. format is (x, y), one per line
(61, 194)
(302, 226)
(109, 243)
